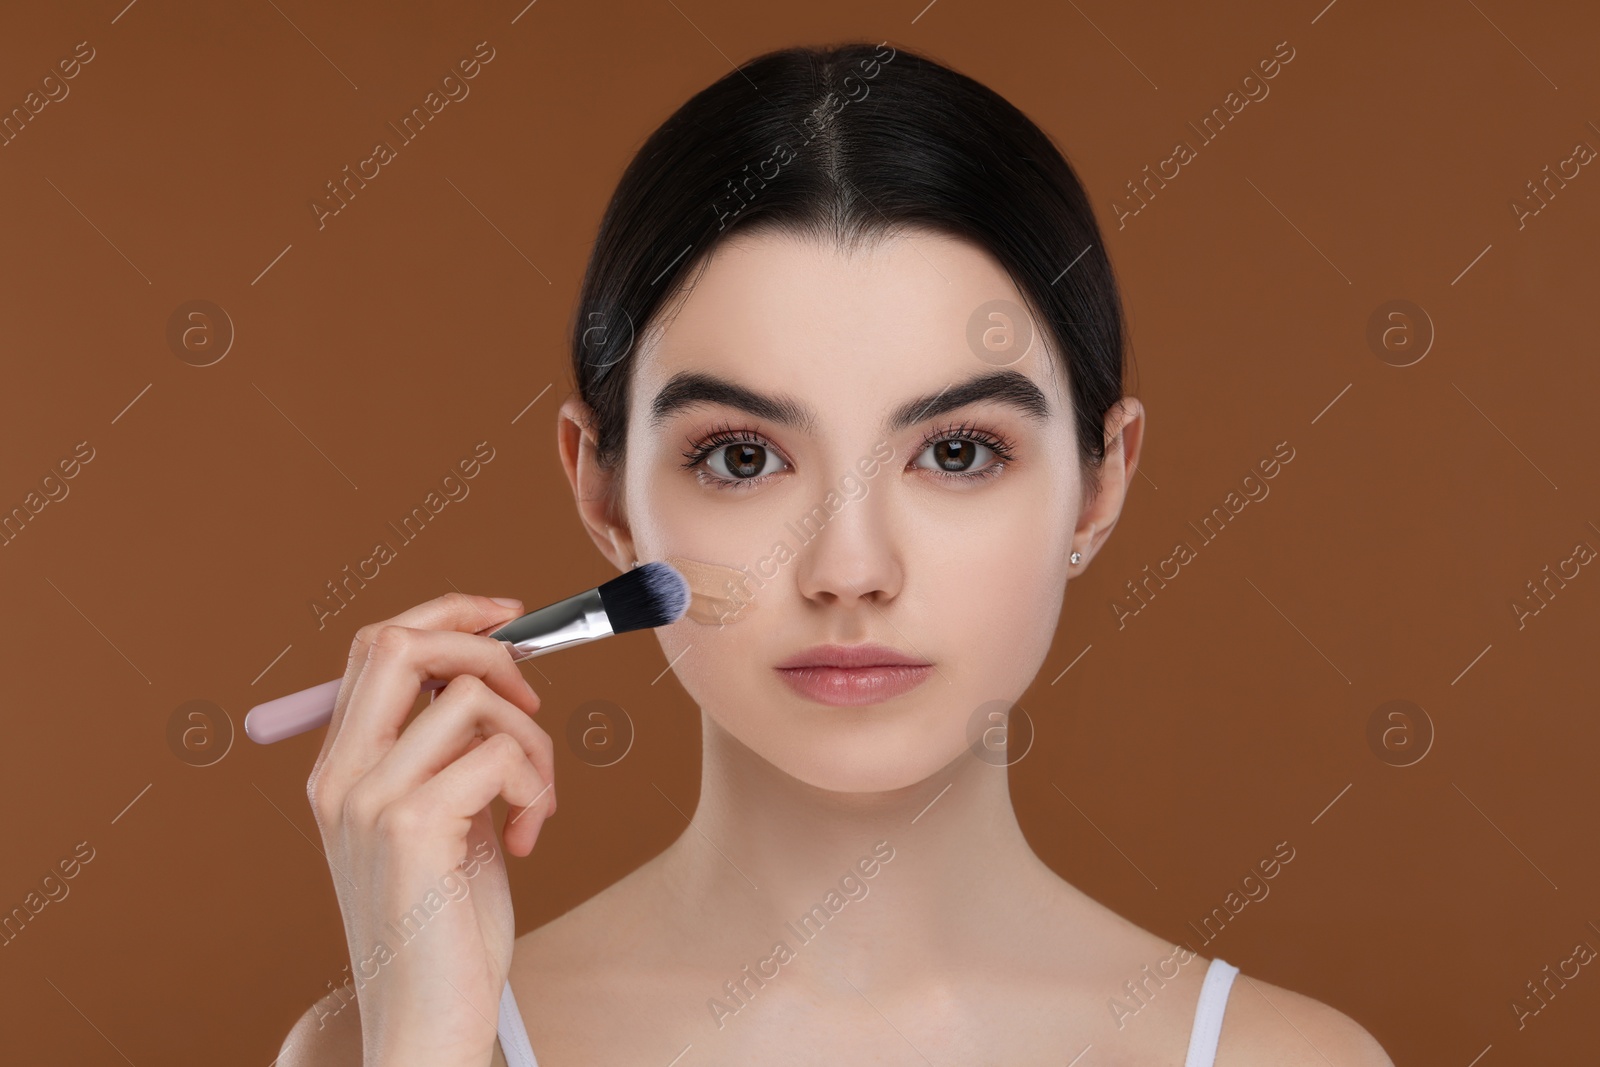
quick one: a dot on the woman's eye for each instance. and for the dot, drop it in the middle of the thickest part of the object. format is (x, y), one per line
(955, 455)
(742, 461)
(746, 462)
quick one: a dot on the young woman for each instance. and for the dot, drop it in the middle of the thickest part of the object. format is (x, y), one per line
(849, 325)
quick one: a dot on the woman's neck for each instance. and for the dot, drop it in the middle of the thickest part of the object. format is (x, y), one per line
(857, 884)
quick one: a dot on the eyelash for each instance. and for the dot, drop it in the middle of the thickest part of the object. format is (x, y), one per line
(725, 435)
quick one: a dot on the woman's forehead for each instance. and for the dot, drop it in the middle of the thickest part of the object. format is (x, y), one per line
(889, 317)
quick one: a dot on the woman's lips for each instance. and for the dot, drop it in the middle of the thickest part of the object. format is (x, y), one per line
(854, 686)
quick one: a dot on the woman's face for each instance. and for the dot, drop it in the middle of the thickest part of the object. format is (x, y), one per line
(870, 514)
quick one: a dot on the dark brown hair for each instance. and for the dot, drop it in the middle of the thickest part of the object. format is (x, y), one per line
(846, 143)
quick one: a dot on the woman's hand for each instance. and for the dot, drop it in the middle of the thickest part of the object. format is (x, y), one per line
(406, 823)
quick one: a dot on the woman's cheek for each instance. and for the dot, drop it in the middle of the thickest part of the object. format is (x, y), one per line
(718, 665)
(1011, 601)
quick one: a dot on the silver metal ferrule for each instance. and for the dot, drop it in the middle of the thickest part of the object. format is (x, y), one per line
(573, 621)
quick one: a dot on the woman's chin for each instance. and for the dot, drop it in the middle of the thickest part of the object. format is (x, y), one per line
(859, 761)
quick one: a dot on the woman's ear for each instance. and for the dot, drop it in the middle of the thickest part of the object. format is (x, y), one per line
(595, 490)
(1124, 434)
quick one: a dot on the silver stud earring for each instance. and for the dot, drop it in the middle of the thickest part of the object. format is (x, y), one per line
(635, 565)
(1077, 557)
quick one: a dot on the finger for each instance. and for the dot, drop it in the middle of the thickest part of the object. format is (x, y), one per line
(399, 661)
(455, 610)
(452, 611)
(436, 817)
(445, 729)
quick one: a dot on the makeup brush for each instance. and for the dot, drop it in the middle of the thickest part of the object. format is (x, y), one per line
(652, 594)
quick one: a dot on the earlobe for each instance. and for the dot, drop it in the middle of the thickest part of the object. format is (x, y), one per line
(1083, 555)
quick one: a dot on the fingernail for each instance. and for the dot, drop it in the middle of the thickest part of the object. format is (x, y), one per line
(507, 601)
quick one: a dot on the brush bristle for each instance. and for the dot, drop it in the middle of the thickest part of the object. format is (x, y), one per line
(652, 594)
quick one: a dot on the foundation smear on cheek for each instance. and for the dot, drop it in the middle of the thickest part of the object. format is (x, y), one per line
(717, 594)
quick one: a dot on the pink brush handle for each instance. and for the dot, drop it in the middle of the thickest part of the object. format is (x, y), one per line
(299, 712)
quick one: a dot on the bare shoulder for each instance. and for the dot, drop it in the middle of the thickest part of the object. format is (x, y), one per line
(1268, 1025)
(565, 960)
(327, 1035)
(614, 924)
(618, 946)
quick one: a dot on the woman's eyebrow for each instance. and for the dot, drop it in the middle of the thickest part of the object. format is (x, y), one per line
(689, 388)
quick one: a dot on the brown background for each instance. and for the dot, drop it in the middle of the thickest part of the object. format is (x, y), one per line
(428, 315)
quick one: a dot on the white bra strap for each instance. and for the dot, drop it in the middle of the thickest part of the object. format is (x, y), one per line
(513, 1035)
(1208, 1014)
